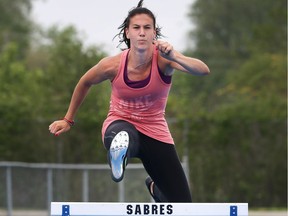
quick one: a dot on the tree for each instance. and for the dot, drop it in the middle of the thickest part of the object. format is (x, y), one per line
(66, 60)
(19, 88)
(15, 24)
(237, 115)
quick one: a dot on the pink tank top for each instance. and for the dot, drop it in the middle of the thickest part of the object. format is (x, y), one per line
(143, 107)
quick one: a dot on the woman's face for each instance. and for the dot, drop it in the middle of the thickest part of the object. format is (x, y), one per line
(141, 31)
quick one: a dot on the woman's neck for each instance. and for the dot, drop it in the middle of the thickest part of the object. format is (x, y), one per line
(139, 59)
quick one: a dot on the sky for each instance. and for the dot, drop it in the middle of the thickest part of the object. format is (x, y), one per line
(97, 21)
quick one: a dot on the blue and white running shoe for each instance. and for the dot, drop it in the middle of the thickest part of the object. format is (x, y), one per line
(118, 155)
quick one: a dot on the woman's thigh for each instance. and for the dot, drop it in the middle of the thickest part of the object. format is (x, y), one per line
(164, 167)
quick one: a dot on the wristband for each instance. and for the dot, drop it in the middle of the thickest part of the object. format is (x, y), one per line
(70, 122)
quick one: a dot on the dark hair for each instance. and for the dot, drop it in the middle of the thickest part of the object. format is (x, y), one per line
(134, 11)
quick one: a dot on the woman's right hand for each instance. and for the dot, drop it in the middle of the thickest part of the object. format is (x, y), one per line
(58, 127)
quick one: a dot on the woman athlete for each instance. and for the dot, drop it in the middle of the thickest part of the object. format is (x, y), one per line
(135, 126)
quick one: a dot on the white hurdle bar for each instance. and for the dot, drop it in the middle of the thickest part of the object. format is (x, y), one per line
(141, 209)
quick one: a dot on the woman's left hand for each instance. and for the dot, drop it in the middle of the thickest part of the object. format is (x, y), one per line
(165, 49)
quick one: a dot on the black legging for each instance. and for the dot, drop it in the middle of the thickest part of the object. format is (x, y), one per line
(159, 159)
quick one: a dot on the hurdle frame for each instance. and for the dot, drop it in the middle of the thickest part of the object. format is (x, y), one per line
(141, 209)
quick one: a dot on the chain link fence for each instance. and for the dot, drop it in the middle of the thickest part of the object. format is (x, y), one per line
(31, 187)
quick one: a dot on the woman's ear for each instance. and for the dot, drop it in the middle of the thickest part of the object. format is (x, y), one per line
(127, 33)
(154, 35)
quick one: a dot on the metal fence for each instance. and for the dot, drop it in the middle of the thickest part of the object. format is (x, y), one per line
(33, 186)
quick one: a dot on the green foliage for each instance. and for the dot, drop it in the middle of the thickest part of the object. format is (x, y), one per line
(15, 24)
(236, 117)
(232, 124)
(18, 84)
(19, 88)
(67, 60)
(36, 90)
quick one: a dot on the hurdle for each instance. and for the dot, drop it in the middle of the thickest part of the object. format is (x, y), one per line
(141, 209)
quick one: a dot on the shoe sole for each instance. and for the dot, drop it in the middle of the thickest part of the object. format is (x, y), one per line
(118, 155)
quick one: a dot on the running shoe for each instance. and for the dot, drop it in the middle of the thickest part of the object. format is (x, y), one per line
(118, 155)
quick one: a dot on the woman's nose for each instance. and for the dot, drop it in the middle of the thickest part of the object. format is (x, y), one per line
(142, 32)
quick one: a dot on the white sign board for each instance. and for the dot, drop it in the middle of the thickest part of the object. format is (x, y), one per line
(141, 209)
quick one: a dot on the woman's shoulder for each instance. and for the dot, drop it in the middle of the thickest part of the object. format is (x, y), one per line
(110, 64)
(111, 61)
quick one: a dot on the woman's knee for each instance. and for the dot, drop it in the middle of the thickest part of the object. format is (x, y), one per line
(120, 125)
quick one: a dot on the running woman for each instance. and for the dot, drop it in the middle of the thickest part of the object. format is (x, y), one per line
(135, 126)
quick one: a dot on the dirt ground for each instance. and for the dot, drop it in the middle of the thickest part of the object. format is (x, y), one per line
(268, 213)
